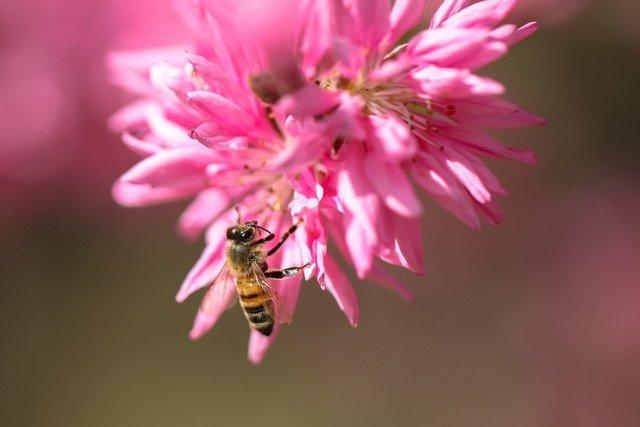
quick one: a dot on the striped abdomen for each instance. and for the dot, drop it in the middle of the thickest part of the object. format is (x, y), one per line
(256, 303)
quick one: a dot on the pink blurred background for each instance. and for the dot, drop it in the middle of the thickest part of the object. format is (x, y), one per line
(533, 323)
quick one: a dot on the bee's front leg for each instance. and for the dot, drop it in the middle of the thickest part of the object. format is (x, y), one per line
(286, 272)
(284, 238)
(265, 239)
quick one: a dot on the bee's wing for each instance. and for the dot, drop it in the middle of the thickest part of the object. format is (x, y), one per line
(221, 285)
(279, 311)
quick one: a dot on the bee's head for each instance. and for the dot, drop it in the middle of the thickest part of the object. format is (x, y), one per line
(241, 233)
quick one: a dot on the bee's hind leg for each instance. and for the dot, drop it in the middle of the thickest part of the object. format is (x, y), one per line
(284, 238)
(286, 272)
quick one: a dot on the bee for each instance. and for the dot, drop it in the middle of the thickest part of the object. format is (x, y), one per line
(246, 264)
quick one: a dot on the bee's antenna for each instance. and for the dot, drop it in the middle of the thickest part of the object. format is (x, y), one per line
(237, 209)
(261, 228)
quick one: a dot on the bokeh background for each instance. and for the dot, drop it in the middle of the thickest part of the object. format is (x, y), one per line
(532, 323)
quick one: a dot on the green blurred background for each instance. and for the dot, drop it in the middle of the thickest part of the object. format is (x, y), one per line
(532, 323)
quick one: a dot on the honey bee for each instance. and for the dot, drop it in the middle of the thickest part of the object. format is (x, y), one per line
(246, 264)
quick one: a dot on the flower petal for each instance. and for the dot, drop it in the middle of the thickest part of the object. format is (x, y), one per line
(358, 197)
(214, 304)
(454, 83)
(202, 211)
(487, 13)
(447, 9)
(370, 21)
(405, 15)
(380, 276)
(393, 137)
(392, 185)
(168, 175)
(338, 285)
(400, 241)
(318, 33)
(443, 187)
(227, 114)
(207, 267)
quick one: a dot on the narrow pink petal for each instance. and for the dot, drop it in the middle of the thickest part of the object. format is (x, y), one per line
(358, 197)
(392, 185)
(139, 146)
(361, 244)
(445, 46)
(204, 271)
(130, 69)
(201, 212)
(214, 304)
(443, 187)
(447, 9)
(408, 244)
(166, 130)
(493, 112)
(480, 143)
(393, 137)
(308, 101)
(400, 241)
(467, 177)
(167, 175)
(338, 285)
(348, 56)
(484, 173)
(132, 115)
(454, 83)
(405, 15)
(523, 32)
(380, 276)
(491, 212)
(391, 69)
(274, 37)
(318, 33)
(210, 263)
(227, 114)
(454, 47)
(487, 13)
(259, 344)
(470, 171)
(370, 20)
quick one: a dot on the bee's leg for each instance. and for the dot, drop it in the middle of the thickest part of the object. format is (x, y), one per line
(284, 238)
(265, 239)
(286, 272)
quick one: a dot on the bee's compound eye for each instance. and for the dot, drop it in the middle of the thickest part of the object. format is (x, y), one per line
(247, 234)
(230, 233)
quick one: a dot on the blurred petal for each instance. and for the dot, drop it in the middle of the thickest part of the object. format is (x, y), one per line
(393, 137)
(445, 190)
(380, 276)
(215, 303)
(370, 20)
(167, 175)
(392, 185)
(338, 285)
(362, 204)
(405, 15)
(487, 13)
(201, 212)
(447, 9)
(205, 270)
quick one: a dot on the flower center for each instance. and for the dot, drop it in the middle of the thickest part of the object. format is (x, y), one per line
(399, 100)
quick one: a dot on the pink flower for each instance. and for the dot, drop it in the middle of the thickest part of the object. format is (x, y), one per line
(414, 112)
(318, 116)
